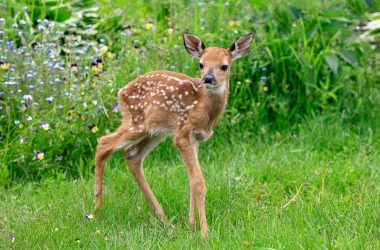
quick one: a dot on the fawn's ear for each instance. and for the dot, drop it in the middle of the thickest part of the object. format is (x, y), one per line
(193, 44)
(241, 46)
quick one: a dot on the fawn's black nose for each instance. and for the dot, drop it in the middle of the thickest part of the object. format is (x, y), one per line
(209, 79)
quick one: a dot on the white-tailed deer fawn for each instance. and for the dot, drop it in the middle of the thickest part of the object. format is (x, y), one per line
(162, 103)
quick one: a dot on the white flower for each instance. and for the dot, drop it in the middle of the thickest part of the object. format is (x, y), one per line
(50, 99)
(28, 97)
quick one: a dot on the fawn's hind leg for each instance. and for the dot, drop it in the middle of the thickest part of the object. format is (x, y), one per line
(134, 156)
(107, 144)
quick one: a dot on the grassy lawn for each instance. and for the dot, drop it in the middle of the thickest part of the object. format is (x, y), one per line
(294, 162)
(318, 190)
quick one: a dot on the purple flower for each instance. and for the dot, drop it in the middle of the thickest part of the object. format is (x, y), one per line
(45, 125)
(115, 107)
(373, 45)
(89, 217)
(39, 155)
(9, 44)
(361, 26)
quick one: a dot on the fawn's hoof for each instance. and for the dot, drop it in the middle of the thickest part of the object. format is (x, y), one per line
(97, 206)
(204, 233)
(161, 215)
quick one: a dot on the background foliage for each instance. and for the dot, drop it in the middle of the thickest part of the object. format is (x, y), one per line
(62, 62)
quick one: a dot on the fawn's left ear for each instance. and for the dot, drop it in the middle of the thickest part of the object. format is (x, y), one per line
(193, 44)
(241, 46)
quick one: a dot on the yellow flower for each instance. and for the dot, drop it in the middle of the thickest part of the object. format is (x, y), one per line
(130, 29)
(94, 129)
(45, 126)
(234, 22)
(4, 66)
(24, 107)
(74, 68)
(21, 125)
(111, 55)
(94, 67)
(100, 66)
(264, 88)
(39, 155)
(149, 26)
(103, 49)
(106, 238)
(170, 31)
(89, 216)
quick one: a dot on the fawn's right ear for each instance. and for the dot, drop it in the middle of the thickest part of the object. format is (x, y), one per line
(193, 44)
(241, 46)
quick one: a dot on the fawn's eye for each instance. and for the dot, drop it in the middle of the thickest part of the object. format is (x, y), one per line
(201, 66)
(224, 67)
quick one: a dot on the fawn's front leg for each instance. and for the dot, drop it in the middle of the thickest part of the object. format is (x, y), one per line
(188, 148)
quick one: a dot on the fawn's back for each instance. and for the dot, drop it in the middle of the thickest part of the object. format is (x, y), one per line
(166, 101)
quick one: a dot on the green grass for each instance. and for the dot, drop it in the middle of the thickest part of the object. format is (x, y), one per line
(294, 162)
(318, 190)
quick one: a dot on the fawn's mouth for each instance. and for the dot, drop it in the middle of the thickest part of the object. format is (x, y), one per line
(210, 85)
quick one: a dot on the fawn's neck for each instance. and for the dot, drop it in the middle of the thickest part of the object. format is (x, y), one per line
(215, 103)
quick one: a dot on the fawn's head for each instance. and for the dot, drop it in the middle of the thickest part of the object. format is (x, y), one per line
(214, 62)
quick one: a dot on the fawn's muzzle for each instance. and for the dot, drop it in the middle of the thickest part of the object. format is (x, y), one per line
(209, 79)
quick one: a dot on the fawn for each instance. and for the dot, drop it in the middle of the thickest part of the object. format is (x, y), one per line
(162, 103)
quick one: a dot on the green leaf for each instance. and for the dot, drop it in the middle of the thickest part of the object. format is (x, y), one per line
(350, 57)
(295, 12)
(333, 62)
